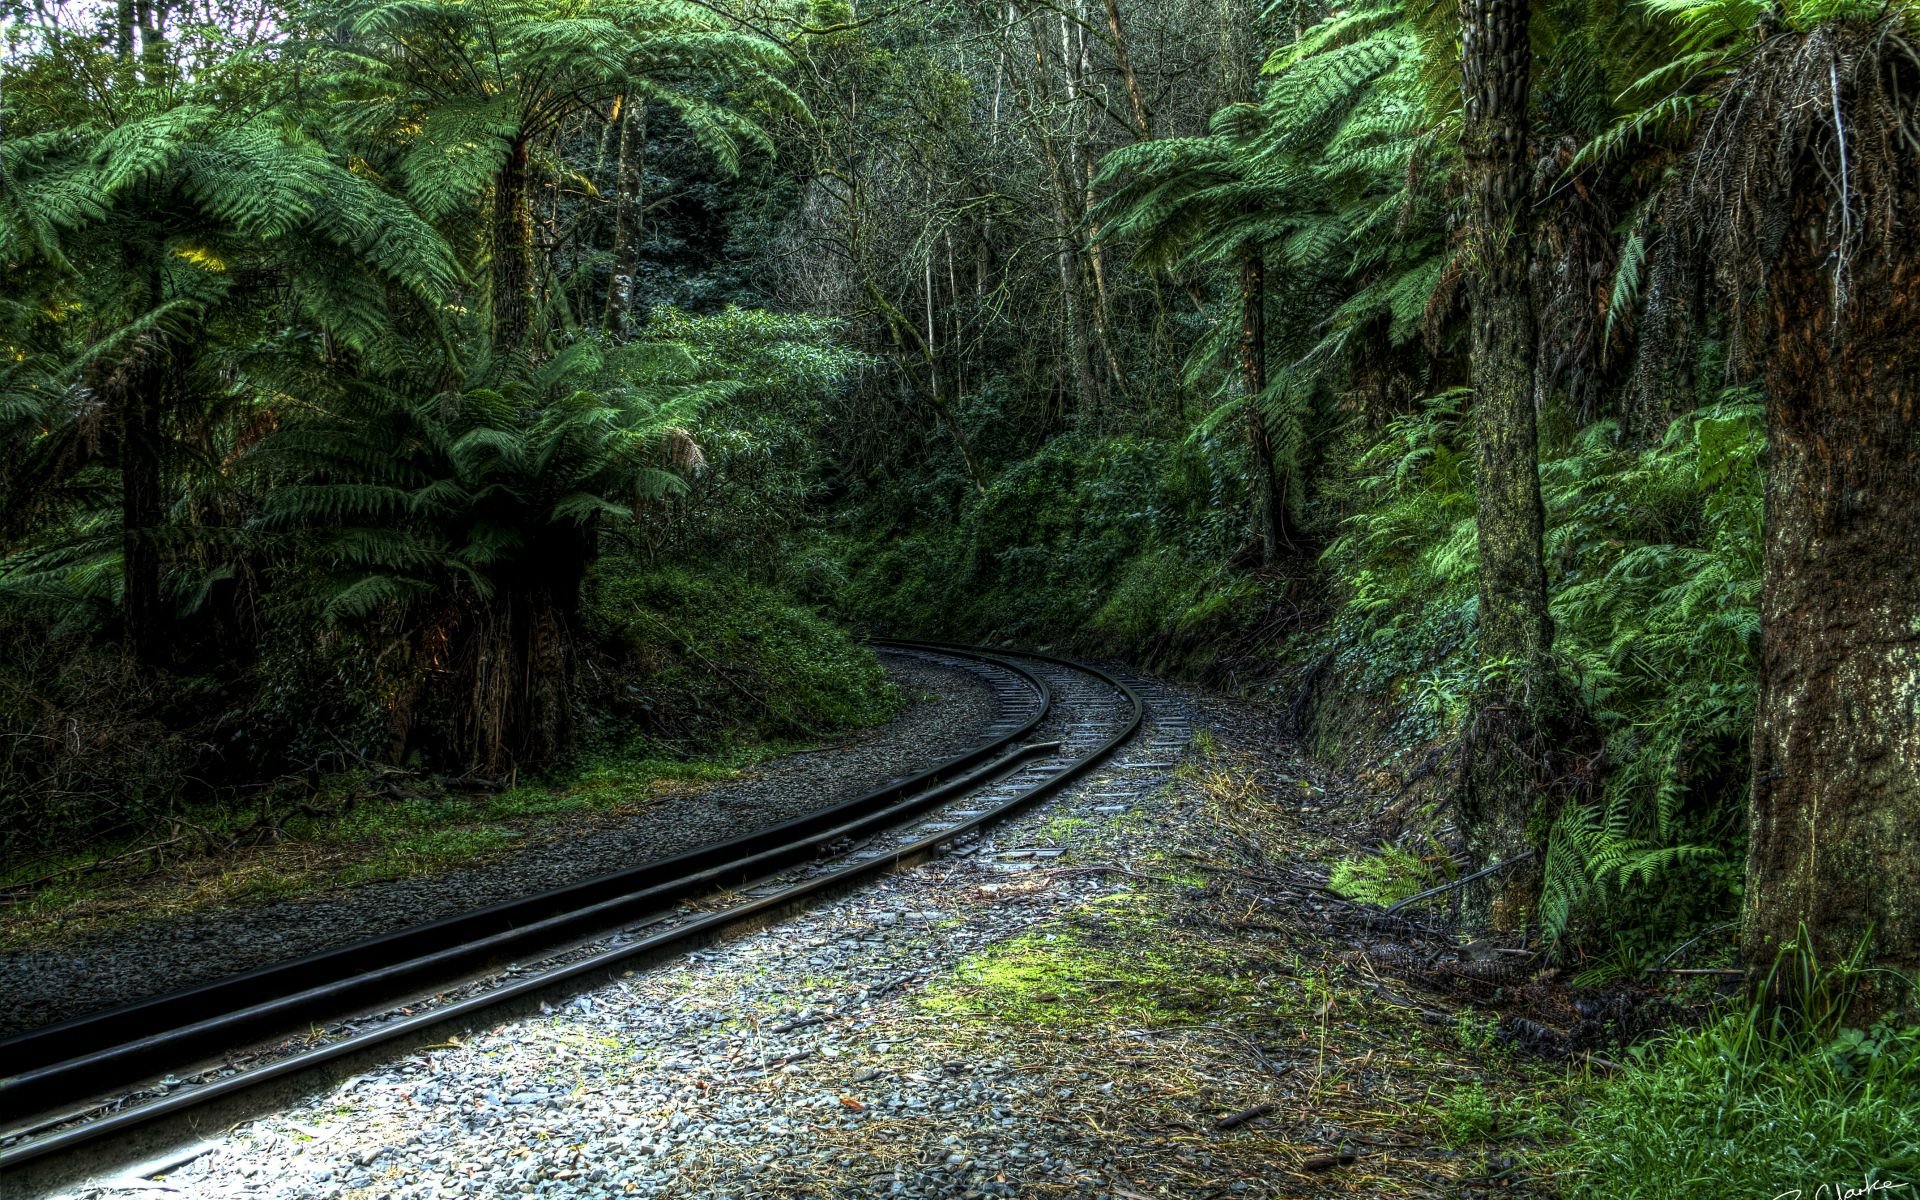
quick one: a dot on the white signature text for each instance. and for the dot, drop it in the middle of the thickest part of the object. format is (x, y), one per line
(1840, 1191)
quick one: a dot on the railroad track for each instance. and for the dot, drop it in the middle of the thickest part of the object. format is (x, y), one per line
(127, 1070)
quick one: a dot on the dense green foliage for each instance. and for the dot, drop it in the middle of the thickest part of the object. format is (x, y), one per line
(1118, 538)
(284, 437)
(263, 385)
(1656, 581)
(476, 386)
(717, 657)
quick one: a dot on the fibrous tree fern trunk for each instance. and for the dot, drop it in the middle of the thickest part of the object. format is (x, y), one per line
(142, 503)
(1835, 821)
(1269, 505)
(1662, 387)
(1515, 632)
(138, 389)
(512, 238)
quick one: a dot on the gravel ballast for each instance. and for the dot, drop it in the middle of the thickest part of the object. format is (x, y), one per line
(794, 1060)
(948, 709)
(1130, 990)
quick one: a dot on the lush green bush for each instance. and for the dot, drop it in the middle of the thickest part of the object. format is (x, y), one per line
(1733, 1112)
(755, 465)
(1106, 543)
(1654, 560)
(699, 656)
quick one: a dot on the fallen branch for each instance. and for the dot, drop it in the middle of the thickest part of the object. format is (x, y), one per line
(1397, 905)
(1243, 1116)
(1729, 972)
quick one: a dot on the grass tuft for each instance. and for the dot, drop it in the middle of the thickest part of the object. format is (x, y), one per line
(1729, 1112)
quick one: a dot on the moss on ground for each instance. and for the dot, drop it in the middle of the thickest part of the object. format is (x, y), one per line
(1194, 991)
(1098, 970)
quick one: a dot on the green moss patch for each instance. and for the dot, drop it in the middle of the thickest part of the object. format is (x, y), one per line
(1082, 977)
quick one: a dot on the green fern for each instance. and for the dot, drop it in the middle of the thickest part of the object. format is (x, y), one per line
(1390, 874)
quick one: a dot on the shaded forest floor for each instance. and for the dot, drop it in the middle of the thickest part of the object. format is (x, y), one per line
(1243, 1041)
(381, 823)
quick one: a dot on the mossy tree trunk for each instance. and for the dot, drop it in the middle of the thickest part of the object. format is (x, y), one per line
(1835, 819)
(512, 268)
(1515, 632)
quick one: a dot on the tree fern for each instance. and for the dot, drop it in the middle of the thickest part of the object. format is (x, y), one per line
(485, 499)
(452, 96)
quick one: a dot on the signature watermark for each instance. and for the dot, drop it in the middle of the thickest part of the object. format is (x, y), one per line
(1867, 1190)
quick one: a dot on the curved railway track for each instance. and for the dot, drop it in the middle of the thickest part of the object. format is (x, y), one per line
(109, 1074)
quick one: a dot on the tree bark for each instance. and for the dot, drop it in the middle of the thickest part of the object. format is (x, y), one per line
(1077, 336)
(629, 176)
(1269, 503)
(1136, 102)
(512, 275)
(1835, 819)
(1662, 385)
(123, 26)
(153, 41)
(1515, 632)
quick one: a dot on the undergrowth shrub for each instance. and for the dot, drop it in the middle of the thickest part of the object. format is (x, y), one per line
(1390, 874)
(1654, 560)
(86, 749)
(1106, 543)
(683, 663)
(694, 656)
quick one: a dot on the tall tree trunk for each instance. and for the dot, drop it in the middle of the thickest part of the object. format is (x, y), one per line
(1835, 819)
(1661, 387)
(1078, 340)
(629, 177)
(512, 276)
(1515, 633)
(124, 23)
(1269, 505)
(1077, 337)
(1077, 63)
(153, 41)
(1136, 102)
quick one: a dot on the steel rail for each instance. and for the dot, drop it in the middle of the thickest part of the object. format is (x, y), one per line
(59, 1064)
(892, 806)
